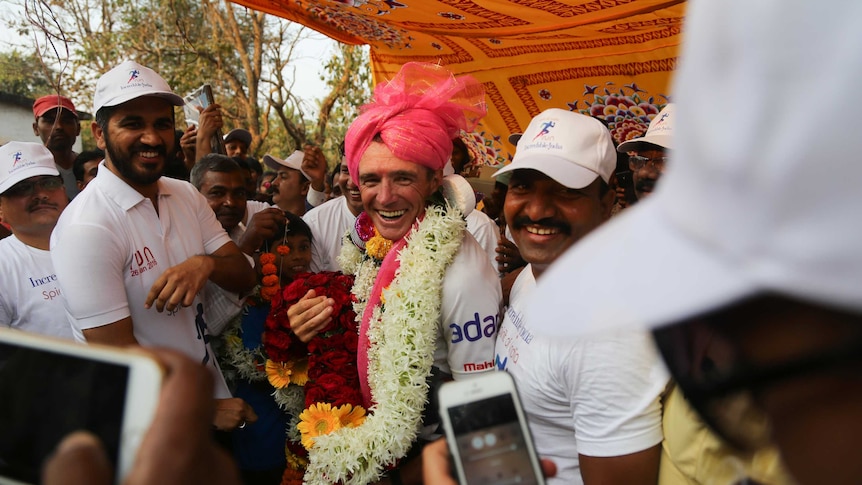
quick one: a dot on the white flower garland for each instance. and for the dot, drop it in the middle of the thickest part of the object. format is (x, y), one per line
(234, 353)
(403, 335)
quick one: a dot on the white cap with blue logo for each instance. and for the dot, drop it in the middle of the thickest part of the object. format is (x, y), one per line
(21, 160)
(129, 81)
(569, 147)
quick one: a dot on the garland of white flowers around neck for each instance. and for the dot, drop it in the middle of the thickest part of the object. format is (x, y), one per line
(402, 333)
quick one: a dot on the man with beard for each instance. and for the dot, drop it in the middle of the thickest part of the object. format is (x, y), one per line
(593, 405)
(135, 249)
(31, 200)
(648, 154)
(58, 127)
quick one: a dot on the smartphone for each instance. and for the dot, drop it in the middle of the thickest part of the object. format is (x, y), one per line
(50, 388)
(625, 180)
(487, 433)
(196, 101)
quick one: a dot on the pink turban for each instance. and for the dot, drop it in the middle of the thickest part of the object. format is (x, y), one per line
(417, 114)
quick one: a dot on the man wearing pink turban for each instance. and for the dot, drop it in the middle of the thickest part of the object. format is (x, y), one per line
(432, 309)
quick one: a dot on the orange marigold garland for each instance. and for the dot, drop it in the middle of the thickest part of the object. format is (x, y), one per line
(269, 284)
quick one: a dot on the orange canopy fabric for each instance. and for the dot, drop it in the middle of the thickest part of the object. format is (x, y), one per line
(608, 58)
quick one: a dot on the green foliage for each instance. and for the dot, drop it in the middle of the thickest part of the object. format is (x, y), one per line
(24, 75)
(244, 54)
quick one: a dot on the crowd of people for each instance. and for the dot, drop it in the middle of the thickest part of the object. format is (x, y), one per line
(698, 326)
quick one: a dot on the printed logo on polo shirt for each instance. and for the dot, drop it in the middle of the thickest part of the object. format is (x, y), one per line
(473, 367)
(475, 329)
(143, 261)
(48, 285)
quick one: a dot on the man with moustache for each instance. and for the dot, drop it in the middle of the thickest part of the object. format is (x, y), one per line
(593, 405)
(31, 200)
(58, 126)
(135, 249)
(647, 154)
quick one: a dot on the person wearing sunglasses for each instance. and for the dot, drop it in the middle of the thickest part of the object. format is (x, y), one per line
(32, 197)
(746, 261)
(648, 154)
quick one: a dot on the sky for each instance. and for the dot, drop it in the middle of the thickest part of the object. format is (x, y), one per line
(308, 87)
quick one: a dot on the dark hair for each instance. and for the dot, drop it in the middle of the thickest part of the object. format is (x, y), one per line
(84, 157)
(212, 162)
(295, 227)
(254, 165)
(104, 115)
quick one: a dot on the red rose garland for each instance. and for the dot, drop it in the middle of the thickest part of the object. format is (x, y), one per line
(332, 376)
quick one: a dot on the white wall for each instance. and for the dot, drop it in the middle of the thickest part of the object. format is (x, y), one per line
(16, 124)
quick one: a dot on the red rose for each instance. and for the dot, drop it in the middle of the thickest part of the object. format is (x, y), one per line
(318, 279)
(293, 292)
(331, 383)
(337, 358)
(314, 394)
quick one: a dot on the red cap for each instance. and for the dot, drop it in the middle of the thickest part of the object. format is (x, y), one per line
(52, 101)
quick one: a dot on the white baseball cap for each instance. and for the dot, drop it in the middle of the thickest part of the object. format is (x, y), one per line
(129, 81)
(660, 132)
(569, 147)
(21, 160)
(294, 161)
(768, 198)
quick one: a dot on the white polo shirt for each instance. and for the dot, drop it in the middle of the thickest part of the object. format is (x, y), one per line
(328, 222)
(595, 396)
(30, 297)
(110, 246)
(486, 233)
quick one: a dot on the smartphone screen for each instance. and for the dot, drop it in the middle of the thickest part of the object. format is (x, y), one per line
(492, 447)
(44, 396)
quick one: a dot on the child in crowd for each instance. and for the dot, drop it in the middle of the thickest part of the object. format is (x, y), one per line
(259, 447)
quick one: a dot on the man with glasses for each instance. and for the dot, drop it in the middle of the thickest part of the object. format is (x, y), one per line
(747, 262)
(31, 200)
(647, 154)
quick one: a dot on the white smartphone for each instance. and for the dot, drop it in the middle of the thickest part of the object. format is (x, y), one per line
(487, 432)
(50, 387)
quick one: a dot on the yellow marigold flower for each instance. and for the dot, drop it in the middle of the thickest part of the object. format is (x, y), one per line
(352, 416)
(317, 420)
(234, 341)
(299, 372)
(377, 246)
(295, 461)
(278, 374)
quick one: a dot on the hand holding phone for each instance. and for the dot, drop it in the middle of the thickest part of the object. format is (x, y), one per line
(50, 388)
(178, 448)
(487, 432)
